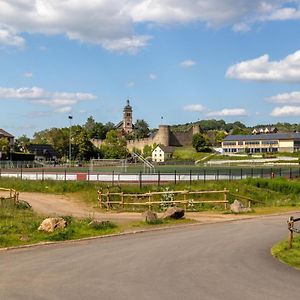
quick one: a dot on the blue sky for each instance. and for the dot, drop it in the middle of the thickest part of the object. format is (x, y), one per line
(185, 60)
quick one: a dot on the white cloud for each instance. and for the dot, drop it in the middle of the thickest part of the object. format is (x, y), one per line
(36, 95)
(194, 107)
(152, 76)
(286, 98)
(286, 111)
(262, 69)
(28, 75)
(112, 23)
(228, 112)
(9, 38)
(187, 63)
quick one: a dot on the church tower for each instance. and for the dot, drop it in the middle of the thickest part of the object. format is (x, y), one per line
(127, 118)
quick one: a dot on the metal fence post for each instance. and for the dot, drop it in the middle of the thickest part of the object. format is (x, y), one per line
(65, 174)
(204, 175)
(140, 179)
(43, 174)
(21, 172)
(175, 176)
(158, 178)
(190, 177)
(291, 175)
(112, 178)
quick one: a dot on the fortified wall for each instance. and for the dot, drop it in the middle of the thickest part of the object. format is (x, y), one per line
(164, 136)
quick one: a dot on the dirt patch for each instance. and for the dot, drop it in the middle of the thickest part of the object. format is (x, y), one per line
(61, 205)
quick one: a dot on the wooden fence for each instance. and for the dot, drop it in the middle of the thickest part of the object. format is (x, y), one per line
(291, 223)
(184, 198)
(8, 197)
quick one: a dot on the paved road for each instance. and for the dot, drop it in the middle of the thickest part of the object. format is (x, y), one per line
(219, 261)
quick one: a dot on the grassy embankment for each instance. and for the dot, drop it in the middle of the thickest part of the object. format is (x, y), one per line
(288, 256)
(273, 193)
(20, 227)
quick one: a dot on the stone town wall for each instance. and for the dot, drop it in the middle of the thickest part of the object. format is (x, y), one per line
(165, 137)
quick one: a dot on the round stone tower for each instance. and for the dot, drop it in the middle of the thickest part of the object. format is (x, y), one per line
(163, 135)
(127, 118)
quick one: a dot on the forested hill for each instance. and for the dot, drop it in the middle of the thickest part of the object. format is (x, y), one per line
(235, 127)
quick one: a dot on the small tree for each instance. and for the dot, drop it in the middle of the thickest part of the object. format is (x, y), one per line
(4, 147)
(200, 143)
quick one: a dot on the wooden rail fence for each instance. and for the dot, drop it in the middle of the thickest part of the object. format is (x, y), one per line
(186, 198)
(291, 222)
(8, 197)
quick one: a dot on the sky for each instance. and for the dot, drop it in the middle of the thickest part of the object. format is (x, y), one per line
(177, 61)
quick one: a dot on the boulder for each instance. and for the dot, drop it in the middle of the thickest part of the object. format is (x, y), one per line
(95, 224)
(239, 207)
(51, 224)
(174, 213)
(21, 204)
(149, 216)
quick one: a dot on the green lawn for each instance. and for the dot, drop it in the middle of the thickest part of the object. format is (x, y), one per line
(19, 227)
(288, 256)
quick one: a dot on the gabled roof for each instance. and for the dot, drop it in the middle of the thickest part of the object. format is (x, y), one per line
(5, 133)
(166, 149)
(119, 125)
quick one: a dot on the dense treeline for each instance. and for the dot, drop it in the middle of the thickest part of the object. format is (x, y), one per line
(113, 144)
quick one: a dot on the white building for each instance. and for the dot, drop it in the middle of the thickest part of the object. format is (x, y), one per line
(162, 153)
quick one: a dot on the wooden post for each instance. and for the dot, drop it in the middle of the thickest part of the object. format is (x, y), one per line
(225, 198)
(249, 203)
(100, 199)
(150, 200)
(107, 201)
(291, 233)
(122, 199)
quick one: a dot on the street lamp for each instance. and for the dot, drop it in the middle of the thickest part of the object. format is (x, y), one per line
(70, 140)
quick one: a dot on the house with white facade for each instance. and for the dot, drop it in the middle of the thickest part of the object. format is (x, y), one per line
(162, 153)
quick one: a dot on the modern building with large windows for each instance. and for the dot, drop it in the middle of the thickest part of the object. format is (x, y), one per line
(262, 143)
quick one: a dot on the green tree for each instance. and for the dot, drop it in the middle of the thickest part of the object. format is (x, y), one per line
(200, 143)
(114, 146)
(83, 147)
(147, 150)
(141, 129)
(4, 148)
(22, 143)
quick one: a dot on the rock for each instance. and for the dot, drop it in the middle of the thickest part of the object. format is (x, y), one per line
(24, 238)
(51, 224)
(239, 207)
(174, 213)
(149, 216)
(100, 224)
(21, 204)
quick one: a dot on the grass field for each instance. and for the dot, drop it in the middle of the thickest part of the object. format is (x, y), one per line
(273, 193)
(288, 256)
(20, 227)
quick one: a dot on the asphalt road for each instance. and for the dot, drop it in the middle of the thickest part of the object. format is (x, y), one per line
(216, 261)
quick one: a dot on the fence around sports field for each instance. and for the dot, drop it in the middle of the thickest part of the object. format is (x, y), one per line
(115, 177)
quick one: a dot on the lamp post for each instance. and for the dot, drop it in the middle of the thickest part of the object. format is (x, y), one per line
(70, 140)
